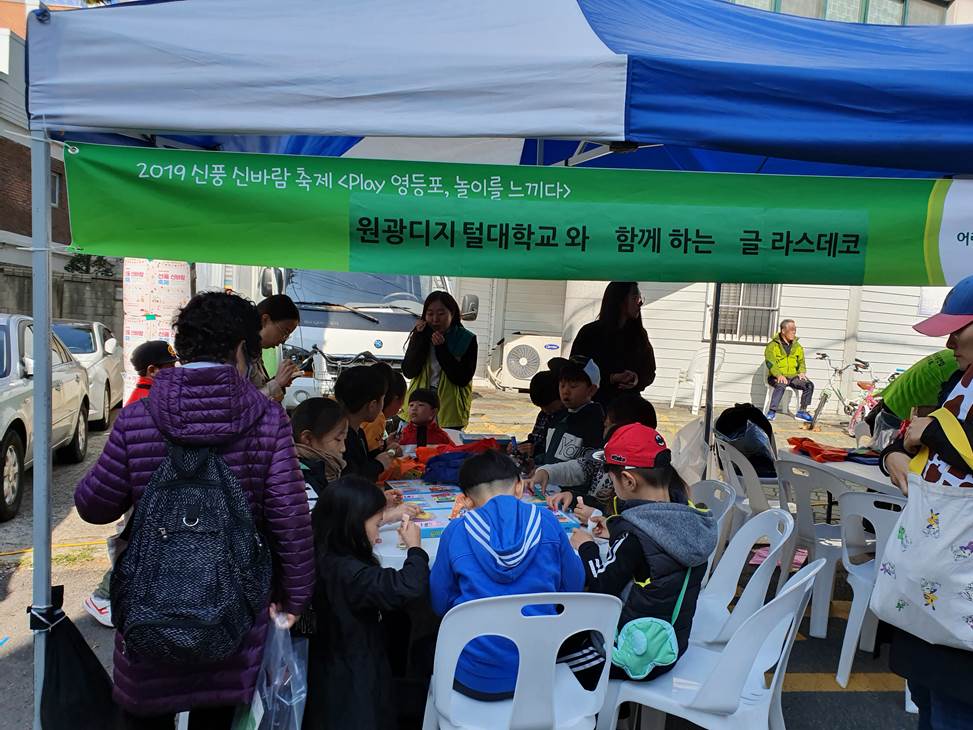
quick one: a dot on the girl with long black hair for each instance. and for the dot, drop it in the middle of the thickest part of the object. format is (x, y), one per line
(350, 682)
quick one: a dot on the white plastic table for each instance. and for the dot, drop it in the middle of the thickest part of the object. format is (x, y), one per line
(390, 555)
(864, 475)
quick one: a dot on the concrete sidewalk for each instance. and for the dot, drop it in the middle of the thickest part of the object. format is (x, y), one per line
(497, 411)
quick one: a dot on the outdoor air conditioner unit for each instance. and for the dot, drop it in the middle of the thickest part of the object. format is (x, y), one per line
(517, 358)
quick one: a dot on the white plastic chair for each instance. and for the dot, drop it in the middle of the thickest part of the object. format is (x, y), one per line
(863, 434)
(547, 695)
(690, 451)
(726, 689)
(782, 406)
(862, 623)
(714, 623)
(719, 498)
(821, 540)
(696, 374)
(910, 706)
(751, 498)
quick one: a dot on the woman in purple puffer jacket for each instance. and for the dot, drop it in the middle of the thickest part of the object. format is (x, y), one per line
(208, 402)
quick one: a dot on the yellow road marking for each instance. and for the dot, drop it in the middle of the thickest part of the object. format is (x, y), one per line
(24, 551)
(840, 609)
(859, 682)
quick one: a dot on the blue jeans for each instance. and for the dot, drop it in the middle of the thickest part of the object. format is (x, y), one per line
(938, 711)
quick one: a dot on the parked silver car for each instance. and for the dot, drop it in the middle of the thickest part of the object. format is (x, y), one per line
(69, 393)
(95, 347)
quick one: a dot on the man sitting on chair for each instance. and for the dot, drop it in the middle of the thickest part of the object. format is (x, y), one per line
(786, 367)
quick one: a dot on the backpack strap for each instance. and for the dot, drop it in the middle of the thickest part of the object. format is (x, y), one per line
(188, 461)
(682, 594)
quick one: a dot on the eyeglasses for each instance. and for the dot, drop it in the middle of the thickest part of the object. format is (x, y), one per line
(283, 333)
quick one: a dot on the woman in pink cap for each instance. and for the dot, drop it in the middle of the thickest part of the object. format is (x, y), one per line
(940, 677)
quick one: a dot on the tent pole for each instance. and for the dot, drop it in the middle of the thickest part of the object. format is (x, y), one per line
(714, 333)
(40, 208)
(540, 151)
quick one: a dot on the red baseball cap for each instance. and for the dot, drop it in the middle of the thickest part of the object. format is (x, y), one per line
(956, 314)
(636, 446)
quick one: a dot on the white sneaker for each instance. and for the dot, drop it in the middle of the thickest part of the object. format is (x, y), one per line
(99, 609)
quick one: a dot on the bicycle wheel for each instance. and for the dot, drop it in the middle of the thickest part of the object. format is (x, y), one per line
(857, 417)
(822, 402)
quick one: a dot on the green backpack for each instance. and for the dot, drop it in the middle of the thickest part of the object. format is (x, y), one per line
(646, 643)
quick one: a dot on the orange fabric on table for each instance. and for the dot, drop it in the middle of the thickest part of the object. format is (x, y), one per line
(425, 453)
(818, 452)
(401, 468)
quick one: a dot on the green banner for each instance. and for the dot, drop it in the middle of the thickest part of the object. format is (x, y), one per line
(345, 214)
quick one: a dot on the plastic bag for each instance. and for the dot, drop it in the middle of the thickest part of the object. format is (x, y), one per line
(278, 700)
(885, 430)
(689, 452)
(77, 691)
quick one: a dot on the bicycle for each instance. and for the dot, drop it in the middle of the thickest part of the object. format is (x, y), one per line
(855, 410)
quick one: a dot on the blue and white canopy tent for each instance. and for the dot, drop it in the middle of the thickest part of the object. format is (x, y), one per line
(693, 73)
(698, 84)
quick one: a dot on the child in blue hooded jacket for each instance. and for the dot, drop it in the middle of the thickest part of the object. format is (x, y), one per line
(503, 546)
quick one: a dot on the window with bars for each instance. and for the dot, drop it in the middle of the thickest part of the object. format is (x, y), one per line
(880, 12)
(748, 313)
(55, 190)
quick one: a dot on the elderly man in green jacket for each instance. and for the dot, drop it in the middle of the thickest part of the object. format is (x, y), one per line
(786, 368)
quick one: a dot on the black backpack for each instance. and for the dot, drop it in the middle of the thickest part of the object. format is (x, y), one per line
(745, 427)
(196, 571)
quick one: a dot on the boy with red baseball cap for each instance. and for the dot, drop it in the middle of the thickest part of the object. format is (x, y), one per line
(659, 546)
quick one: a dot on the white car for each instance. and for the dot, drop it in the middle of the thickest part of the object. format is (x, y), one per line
(97, 349)
(69, 403)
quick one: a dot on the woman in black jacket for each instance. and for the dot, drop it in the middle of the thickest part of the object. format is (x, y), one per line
(350, 683)
(618, 343)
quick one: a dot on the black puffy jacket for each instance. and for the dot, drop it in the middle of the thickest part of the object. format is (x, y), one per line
(651, 547)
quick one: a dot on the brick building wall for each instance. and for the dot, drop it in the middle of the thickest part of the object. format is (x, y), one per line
(15, 193)
(74, 296)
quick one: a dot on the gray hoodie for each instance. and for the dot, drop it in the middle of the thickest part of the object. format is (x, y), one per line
(685, 533)
(653, 545)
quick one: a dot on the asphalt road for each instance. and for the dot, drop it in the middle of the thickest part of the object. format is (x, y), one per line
(78, 568)
(66, 526)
